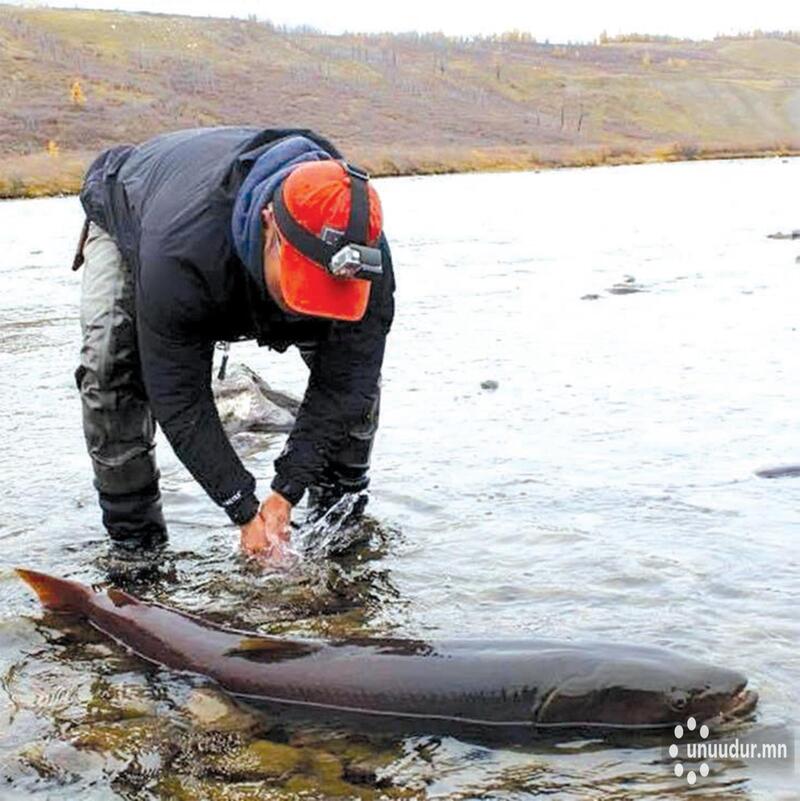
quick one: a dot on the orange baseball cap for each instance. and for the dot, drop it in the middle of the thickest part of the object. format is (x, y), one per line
(321, 208)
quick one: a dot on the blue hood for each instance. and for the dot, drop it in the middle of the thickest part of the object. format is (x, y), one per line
(256, 192)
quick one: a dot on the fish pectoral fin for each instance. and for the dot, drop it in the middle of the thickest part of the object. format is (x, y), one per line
(120, 598)
(250, 644)
(269, 649)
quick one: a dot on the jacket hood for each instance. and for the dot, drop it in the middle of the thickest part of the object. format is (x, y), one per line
(256, 191)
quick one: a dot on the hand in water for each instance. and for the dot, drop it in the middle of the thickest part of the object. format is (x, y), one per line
(266, 536)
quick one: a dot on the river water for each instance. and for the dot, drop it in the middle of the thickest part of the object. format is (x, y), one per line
(642, 336)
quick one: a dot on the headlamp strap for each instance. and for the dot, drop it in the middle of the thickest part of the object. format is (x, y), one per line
(303, 240)
(357, 225)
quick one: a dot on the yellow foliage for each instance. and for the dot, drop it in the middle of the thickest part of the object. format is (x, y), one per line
(516, 35)
(52, 148)
(677, 63)
(76, 94)
(678, 151)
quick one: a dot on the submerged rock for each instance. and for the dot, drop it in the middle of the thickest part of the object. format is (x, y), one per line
(60, 762)
(311, 787)
(123, 735)
(246, 402)
(260, 759)
(116, 702)
(177, 787)
(366, 766)
(334, 755)
(325, 766)
(211, 710)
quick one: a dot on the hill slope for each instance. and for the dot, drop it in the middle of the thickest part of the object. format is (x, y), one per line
(395, 103)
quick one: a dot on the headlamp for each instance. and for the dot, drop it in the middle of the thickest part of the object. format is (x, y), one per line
(356, 261)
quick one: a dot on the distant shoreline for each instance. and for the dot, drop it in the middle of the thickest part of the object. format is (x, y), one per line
(67, 180)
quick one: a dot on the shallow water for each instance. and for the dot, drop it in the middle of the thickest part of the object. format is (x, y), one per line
(605, 489)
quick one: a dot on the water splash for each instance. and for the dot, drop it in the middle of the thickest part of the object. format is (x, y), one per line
(337, 530)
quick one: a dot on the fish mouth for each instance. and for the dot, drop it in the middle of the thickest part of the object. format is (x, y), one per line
(727, 707)
(740, 704)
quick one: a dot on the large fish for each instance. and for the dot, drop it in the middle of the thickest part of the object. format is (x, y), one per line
(451, 684)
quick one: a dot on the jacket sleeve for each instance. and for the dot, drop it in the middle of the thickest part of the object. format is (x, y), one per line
(341, 389)
(176, 358)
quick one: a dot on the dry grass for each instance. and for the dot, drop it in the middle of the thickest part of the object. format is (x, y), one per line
(41, 175)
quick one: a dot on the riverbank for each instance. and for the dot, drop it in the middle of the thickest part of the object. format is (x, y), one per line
(43, 175)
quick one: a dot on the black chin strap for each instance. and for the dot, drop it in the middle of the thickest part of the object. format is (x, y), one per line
(310, 245)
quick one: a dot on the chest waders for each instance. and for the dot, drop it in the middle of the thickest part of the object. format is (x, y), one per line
(117, 421)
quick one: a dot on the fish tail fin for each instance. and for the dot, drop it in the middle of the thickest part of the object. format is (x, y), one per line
(55, 593)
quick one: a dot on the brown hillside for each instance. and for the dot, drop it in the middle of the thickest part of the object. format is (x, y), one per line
(77, 81)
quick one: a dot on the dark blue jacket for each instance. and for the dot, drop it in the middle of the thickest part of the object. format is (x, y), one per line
(168, 203)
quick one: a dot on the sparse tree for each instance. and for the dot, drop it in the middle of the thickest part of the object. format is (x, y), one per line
(30, 122)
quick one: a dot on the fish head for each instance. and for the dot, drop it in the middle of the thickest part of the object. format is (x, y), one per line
(720, 696)
(651, 688)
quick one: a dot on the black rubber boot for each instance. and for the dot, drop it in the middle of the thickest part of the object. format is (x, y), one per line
(135, 521)
(324, 496)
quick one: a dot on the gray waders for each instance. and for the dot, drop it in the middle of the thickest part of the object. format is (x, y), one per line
(117, 421)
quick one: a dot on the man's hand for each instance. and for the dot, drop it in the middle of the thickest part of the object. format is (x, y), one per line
(267, 534)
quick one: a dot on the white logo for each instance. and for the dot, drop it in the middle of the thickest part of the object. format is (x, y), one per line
(691, 776)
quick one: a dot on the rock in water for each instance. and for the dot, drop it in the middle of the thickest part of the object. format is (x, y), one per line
(247, 403)
(260, 759)
(780, 471)
(213, 711)
(627, 286)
